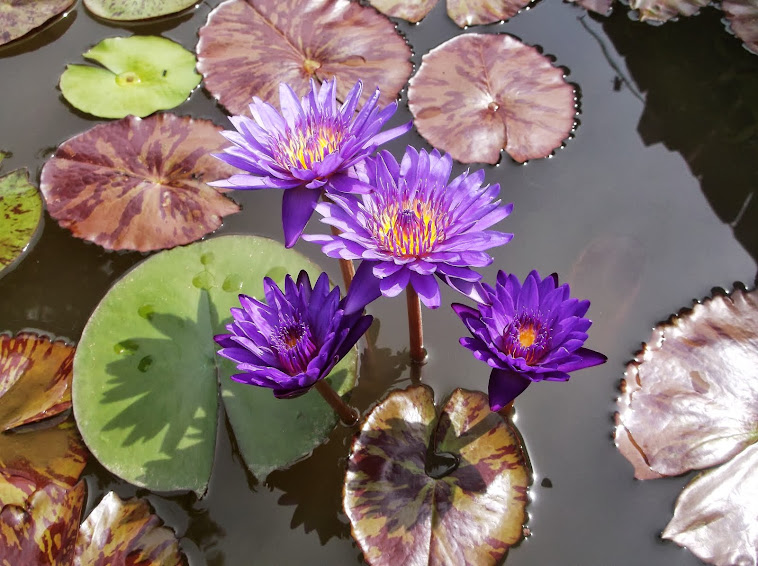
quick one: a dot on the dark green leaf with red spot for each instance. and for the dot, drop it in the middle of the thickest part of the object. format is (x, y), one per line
(139, 184)
(19, 18)
(426, 490)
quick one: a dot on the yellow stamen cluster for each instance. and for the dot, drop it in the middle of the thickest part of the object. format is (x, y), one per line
(309, 144)
(409, 229)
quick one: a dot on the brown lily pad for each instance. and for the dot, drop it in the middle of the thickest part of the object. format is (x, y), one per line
(659, 11)
(130, 10)
(248, 47)
(19, 17)
(139, 184)
(426, 490)
(475, 12)
(410, 10)
(477, 94)
(690, 402)
(742, 16)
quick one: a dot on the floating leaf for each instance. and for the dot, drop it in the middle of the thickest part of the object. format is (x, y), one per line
(248, 47)
(459, 501)
(476, 12)
(659, 11)
(21, 213)
(142, 74)
(139, 184)
(19, 18)
(690, 401)
(147, 374)
(129, 10)
(602, 7)
(410, 10)
(477, 94)
(742, 16)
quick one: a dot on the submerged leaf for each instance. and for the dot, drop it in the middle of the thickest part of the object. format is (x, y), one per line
(477, 94)
(146, 385)
(476, 12)
(742, 16)
(715, 515)
(410, 10)
(422, 490)
(139, 184)
(659, 11)
(128, 10)
(19, 18)
(249, 47)
(21, 211)
(142, 74)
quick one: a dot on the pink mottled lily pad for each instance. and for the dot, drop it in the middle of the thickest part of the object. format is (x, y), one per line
(410, 10)
(248, 47)
(475, 12)
(437, 491)
(659, 11)
(477, 94)
(139, 184)
(690, 402)
(19, 17)
(742, 16)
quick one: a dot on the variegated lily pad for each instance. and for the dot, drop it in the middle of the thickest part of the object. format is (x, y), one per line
(21, 214)
(249, 47)
(659, 11)
(410, 10)
(148, 382)
(35, 380)
(477, 94)
(45, 531)
(139, 184)
(690, 402)
(139, 75)
(438, 491)
(475, 12)
(19, 18)
(742, 16)
(130, 10)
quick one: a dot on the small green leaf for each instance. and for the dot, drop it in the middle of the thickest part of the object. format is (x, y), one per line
(142, 74)
(121, 10)
(20, 215)
(147, 376)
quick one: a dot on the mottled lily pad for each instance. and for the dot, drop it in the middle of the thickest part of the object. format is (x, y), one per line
(690, 402)
(410, 10)
(248, 47)
(21, 214)
(35, 379)
(659, 11)
(477, 94)
(141, 74)
(742, 16)
(45, 531)
(146, 377)
(475, 12)
(602, 7)
(130, 10)
(19, 18)
(426, 490)
(139, 184)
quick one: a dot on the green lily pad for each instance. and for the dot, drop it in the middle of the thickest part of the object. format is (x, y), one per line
(21, 214)
(142, 74)
(147, 375)
(436, 491)
(136, 9)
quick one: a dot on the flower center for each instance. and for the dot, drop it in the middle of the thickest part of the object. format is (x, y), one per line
(527, 337)
(411, 228)
(310, 143)
(293, 343)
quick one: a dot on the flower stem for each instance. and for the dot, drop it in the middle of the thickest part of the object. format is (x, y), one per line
(346, 265)
(348, 415)
(415, 327)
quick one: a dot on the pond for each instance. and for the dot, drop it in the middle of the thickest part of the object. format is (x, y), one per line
(646, 208)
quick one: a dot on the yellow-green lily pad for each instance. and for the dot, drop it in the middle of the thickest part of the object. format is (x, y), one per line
(20, 215)
(141, 74)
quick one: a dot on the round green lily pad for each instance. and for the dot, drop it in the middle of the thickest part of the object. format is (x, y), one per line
(147, 376)
(21, 214)
(142, 74)
(135, 9)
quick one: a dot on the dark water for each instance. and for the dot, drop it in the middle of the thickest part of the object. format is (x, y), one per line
(649, 207)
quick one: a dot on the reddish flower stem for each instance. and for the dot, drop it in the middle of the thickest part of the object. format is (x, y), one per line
(415, 327)
(348, 415)
(346, 265)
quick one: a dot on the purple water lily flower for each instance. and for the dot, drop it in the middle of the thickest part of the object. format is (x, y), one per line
(294, 339)
(309, 147)
(530, 332)
(414, 226)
